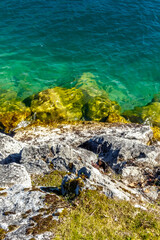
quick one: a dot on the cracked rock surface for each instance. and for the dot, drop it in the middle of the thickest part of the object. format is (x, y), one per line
(115, 158)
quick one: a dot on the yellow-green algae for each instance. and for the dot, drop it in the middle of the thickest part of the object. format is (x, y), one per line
(58, 104)
(149, 114)
(2, 233)
(156, 133)
(12, 111)
(84, 101)
(97, 106)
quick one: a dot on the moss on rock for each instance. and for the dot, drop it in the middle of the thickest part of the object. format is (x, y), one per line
(97, 106)
(2, 233)
(12, 111)
(149, 114)
(86, 101)
(58, 104)
(156, 133)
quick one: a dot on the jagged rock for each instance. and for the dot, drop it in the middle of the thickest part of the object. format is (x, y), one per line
(127, 154)
(9, 149)
(71, 159)
(135, 132)
(11, 174)
(17, 208)
(117, 151)
(34, 159)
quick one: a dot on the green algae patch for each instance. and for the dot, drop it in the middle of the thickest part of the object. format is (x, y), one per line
(2, 233)
(12, 112)
(97, 105)
(51, 179)
(116, 118)
(149, 114)
(156, 133)
(89, 86)
(86, 101)
(99, 108)
(97, 217)
(58, 104)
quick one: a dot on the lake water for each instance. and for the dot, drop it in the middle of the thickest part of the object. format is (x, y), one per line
(47, 43)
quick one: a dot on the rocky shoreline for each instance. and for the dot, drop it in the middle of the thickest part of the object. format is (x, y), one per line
(119, 160)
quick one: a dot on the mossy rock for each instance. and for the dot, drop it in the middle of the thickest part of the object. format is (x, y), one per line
(99, 108)
(58, 104)
(2, 233)
(86, 101)
(115, 117)
(156, 133)
(89, 86)
(148, 114)
(72, 187)
(12, 112)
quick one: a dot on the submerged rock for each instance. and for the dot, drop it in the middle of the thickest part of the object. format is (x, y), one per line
(97, 106)
(85, 101)
(58, 104)
(149, 114)
(12, 112)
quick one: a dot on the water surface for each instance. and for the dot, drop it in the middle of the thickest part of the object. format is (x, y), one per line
(47, 43)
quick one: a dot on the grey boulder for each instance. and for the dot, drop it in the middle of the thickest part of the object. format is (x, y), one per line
(34, 158)
(13, 173)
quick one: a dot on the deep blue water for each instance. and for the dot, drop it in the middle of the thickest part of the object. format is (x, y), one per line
(47, 43)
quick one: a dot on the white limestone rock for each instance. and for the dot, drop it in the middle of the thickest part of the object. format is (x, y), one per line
(9, 149)
(13, 173)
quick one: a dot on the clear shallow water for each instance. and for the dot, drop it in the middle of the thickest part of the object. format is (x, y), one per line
(47, 43)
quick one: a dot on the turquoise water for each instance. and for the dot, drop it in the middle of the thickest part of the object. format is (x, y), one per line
(47, 43)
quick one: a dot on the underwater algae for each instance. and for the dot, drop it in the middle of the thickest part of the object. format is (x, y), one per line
(86, 101)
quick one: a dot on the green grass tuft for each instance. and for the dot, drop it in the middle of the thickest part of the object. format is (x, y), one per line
(96, 217)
